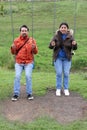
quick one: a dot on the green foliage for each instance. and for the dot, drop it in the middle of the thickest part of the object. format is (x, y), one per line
(2, 10)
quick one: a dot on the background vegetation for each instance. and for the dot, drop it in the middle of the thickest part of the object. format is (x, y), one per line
(43, 19)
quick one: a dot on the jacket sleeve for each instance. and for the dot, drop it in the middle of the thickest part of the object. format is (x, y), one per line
(15, 46)
(34, 47)
(55, 39)
(74, 47)
(13, 49)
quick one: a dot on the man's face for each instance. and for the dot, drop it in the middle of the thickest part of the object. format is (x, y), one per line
(24, 32)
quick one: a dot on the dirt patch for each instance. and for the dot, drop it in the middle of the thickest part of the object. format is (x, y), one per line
(62, 109)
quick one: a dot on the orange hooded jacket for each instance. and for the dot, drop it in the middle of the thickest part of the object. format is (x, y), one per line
(26, 53)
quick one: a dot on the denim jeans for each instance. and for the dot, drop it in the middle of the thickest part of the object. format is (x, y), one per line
(62, 67)
(28, 74)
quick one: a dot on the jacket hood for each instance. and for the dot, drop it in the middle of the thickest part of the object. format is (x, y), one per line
(70, 32)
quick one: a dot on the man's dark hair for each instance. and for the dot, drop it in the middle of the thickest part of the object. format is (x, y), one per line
(25, 26)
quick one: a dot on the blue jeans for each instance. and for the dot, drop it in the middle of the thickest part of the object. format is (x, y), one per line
(28, 73)
(62, 67)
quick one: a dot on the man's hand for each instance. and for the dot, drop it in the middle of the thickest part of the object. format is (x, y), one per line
(33, 46)
(13, 49)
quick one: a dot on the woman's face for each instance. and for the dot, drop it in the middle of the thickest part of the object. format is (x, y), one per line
(63, 29)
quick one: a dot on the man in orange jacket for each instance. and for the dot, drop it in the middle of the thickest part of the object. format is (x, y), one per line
(24, 48)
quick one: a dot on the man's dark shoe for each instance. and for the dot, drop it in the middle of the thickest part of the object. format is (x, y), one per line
(15, 98)
(30, 97)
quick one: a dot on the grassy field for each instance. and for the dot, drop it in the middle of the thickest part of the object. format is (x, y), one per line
(43, 19)
(46, 18)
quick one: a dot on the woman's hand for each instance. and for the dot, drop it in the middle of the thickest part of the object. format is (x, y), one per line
(52, 43)
(73, 42)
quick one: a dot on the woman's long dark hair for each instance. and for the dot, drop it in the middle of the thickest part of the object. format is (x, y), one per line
(64, 23)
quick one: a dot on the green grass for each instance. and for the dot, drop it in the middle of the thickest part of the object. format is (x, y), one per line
(44, 17)
(42, 81)
(42, 123)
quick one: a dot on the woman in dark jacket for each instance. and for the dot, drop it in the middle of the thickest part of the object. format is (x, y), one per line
(62, 44)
